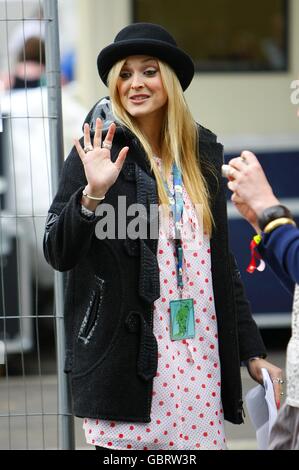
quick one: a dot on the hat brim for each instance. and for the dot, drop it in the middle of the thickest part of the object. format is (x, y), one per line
(178, 60)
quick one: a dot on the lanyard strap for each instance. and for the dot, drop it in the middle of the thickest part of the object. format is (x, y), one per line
(177, 206)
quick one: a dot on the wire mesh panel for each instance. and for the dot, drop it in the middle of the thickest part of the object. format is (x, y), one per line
(29, 408)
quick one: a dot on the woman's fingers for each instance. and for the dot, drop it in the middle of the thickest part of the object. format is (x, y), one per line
(236, 199)
(121, 158)
(97, 141)
(109, 136)
(87, 140)
(232, 185)
(246, 158)
(277, 391)
(277, 381)
(277, 388)
(80, 150)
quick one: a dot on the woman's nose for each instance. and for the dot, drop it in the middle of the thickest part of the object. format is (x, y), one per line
(137, 81)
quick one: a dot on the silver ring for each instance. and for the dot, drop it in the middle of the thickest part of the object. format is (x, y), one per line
(278, 380)
(88, 148)
(106, 146)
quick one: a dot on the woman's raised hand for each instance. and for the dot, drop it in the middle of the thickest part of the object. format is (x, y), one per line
(101, 173)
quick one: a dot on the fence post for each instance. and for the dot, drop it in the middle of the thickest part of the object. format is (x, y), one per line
(65, 417)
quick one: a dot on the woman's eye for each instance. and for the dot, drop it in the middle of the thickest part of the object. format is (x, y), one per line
(150, 72)
(124, 75)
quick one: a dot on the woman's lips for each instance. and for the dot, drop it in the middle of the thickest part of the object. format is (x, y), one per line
(139, 98)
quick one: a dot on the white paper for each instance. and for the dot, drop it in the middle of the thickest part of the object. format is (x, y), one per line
(261, 406)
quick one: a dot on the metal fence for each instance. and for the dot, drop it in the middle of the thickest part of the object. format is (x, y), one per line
(34, 395)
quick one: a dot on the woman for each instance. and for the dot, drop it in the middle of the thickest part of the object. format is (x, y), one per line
(279, 246)
(156, 328)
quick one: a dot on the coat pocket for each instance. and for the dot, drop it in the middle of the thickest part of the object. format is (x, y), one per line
(93, 313)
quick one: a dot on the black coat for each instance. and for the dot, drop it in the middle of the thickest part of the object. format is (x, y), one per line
(111, 352)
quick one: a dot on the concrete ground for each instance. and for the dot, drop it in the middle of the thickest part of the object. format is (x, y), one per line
(34, 396)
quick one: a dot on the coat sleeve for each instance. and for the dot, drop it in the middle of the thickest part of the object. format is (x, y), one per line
(280, 249)
(250, 340)
(68, 233)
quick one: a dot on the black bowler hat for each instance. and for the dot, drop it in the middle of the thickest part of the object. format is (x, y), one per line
(146, 39)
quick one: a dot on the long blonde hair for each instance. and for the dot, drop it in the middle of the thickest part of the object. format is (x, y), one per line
(179, 143)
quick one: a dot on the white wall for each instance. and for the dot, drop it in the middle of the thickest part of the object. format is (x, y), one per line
(100, 21)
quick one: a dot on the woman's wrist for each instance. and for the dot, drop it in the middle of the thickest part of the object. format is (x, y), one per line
(89, 204)
(96, 193)
(91, 198)
(256, 228)
(260, 206)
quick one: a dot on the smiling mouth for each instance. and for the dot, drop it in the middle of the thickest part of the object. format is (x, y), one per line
(139, 98)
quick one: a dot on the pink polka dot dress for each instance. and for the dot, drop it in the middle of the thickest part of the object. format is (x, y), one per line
(186, 409)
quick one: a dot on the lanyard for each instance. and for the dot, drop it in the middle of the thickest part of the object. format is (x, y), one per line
(182, 321)
(177, 206)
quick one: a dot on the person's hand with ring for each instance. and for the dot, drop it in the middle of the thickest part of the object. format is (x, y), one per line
(252, 192)
(255, 370)
(100, 171)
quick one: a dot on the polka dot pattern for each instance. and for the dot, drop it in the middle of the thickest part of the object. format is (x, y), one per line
(186, 409)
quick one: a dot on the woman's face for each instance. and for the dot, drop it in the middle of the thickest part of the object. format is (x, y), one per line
(140, 87)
